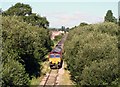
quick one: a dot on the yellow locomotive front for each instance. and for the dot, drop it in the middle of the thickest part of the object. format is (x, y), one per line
(55, 58)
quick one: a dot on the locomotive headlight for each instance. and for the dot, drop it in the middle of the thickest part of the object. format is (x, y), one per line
(50, 61)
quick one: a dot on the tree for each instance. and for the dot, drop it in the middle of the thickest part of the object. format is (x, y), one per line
(19, 9)
(91, 54)
(64, 29)
(115, 20)
(36, 20)
(83, 24)
(24, 47)
(109, 17)
(14, 74)
(25, 11)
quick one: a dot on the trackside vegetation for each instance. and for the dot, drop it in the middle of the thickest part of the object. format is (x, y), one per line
(91, 53)
(24, 47)
(25, 42)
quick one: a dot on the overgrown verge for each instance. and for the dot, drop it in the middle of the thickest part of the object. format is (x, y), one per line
(91, 53)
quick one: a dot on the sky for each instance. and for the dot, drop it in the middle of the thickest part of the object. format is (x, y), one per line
(68, 13)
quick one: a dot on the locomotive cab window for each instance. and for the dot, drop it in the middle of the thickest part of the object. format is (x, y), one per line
(52, 56)
(57, 56)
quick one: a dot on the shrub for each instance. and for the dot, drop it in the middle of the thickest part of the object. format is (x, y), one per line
(91, 52)
(25, 46)
(14, 74)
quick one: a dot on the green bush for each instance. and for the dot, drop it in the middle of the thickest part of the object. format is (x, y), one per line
(14, 74)
(102, 73)
(25, 46)
(109, 28)
(91, 49)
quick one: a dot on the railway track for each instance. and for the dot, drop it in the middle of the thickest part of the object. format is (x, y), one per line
(51, 79)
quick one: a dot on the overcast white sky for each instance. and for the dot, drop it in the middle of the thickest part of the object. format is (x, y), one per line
(69, 13)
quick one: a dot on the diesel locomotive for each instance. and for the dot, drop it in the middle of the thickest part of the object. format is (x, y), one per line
(55, 56)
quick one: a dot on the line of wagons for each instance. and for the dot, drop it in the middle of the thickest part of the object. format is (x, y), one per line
(55, 56)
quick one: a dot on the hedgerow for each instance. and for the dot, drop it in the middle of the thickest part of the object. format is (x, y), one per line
(91, 53)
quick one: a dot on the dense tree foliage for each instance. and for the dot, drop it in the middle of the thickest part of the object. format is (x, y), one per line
(19, 9)
(24, 47)
(24, 10)
(91, 53)
(36, 20)
(109, 17)
(25, 43)
(14, 74)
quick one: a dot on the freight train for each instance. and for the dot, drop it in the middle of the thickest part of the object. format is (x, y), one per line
(55, 56)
